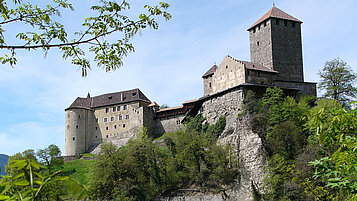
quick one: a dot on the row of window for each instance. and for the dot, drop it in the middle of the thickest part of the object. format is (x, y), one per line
(107, 136)
(120, 117)
(116, 108)
(277, 22)
(107, 128)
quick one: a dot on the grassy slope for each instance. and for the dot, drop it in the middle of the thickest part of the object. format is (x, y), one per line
(79, 169)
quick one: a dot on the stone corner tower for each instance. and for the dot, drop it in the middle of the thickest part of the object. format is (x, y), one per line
(275, 42)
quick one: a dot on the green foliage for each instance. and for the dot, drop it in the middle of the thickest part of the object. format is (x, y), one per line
(279, 121)
(163, 106)
(337, 79)
(279, 174)
(43, 30)
(195, 123)
(336, 129)
(250, 102)
(30, 183)
(50, 157)
(216, 129)
(144, 169)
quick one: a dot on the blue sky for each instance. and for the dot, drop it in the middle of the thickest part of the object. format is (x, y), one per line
(167, 65)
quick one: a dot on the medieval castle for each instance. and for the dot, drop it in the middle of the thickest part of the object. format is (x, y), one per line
(276, 60)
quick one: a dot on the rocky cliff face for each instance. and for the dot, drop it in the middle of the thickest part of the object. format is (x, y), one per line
(246, 144)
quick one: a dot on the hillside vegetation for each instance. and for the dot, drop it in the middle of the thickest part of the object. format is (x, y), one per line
(3, 162)
(311, 146)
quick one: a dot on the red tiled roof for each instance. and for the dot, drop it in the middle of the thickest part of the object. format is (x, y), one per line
(190, 101)
(211, 71)
(275, 13)
(152, 104)
(170, 108)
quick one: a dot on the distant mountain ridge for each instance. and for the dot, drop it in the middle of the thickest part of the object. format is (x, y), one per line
(3, 162)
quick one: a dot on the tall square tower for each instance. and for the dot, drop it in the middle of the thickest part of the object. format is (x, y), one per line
(275, 42)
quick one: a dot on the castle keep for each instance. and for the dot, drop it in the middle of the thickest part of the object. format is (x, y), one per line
(276, 60)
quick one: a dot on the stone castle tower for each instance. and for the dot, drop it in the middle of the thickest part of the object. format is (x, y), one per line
(275, 42)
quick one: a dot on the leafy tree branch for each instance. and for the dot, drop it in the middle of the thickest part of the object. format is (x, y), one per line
(47, 33)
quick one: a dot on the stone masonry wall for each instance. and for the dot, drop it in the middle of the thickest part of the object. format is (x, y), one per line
(169, 124)
(305, 88)
(261, 44)
(207, 85)
(230, 73)
(287, 50)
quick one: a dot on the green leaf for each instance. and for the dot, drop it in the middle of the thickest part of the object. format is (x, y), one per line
(18, 164)
(4, 197)
(22, 182)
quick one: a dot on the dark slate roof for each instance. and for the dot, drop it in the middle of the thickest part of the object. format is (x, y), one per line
(109, 99)
(211, 71)
(275, 13)
(254, 66)
(83, 103)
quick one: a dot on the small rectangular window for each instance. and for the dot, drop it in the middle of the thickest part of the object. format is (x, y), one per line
(277, 21)
(107, 128)
(77, 126)
(96, 128)
(112, 118)
(127, 116)
(265, 23)
(96, 120)
(253, 30)
(115, 126)
(285, 23)
(125, 107)
(114, 109)
(105, 119)
(118, 108)
(123, 125)
(106, 110)
(74, 138)
(120, 117)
